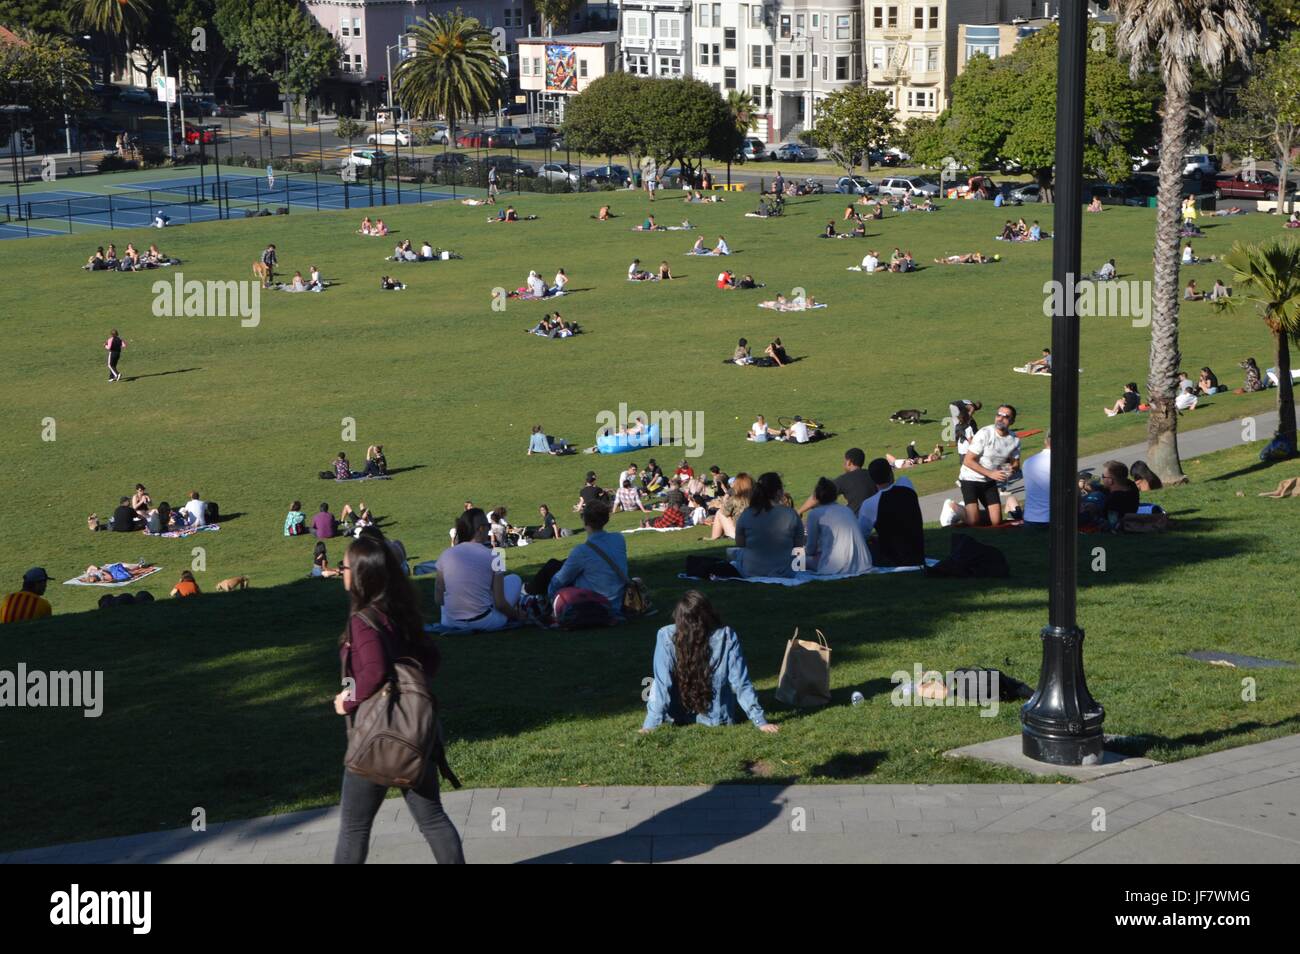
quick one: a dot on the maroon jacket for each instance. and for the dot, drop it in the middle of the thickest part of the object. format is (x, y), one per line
(370, 664)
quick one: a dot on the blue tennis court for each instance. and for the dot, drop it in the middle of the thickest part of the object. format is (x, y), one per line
(194, 198)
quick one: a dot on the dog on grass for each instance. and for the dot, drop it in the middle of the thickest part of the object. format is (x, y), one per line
(909, 415)
(232, 584)
(262, 272)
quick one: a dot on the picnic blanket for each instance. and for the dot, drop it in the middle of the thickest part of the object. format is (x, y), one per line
(188, 532)
(799, 579)
(790, 306)
(528, 296)
(289, 288)
(1024, 369)
(652, 278)
(440, 630)
(659, 529)
(137, 573)
(708, 252)
(345, 480)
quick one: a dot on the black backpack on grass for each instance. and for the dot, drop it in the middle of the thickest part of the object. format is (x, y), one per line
(971, 559)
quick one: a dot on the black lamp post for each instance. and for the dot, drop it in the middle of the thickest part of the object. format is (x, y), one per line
(1062, 723)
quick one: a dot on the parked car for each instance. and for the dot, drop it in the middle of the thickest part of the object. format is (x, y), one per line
(1112, 194)
(755, 150)
(508, 165)
(908, 185)
(795, 152)
(1148, 160)
(1010, 167)
(1265, 185)
(1200, 163)
(977, 186)
(1025, 194)
(208, 134)
(856, 185)
(614, 175)
(887, 159)
(225, 109)
(137, 94)
(434, 134)
(560, 172)
(557, 143)
(471, 139)
(897, 153)
(450, 160)
(544, 135)
(390, 137)
(366, 157)
(524, 135)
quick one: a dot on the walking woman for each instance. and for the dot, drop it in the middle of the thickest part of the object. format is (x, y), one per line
(114, 346)
(382, 596)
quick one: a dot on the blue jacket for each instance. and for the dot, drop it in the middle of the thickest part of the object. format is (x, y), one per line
(586, 569)
(733, 693)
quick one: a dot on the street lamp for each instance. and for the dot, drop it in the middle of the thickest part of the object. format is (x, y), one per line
(1062, 723)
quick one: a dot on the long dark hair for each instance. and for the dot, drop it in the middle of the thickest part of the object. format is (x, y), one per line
(468, 524)
(378, 583)
(696, 620)
(768, 492)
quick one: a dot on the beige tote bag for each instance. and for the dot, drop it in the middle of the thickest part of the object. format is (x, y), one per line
(805, 672)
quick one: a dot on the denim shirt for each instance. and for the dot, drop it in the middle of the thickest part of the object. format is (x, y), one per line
(733, 693)
(588, 570)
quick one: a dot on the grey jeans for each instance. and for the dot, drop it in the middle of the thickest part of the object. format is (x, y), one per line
(361, 801)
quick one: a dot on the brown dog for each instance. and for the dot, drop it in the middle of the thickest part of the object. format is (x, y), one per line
(232, 584)
(262, 272)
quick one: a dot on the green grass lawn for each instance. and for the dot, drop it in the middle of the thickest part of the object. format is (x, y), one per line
(223, 701)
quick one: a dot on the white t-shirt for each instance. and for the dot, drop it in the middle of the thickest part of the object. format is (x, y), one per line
(871, 506)
(993, 451)
(836, 541)
(870, 263)
(1038, 483)
(759, 430)
(561, 280)
(1107, 271)
(426, 250)
(195, 509)
(722, 248)
(1187, 384)
(799, 432)
(537, 286)
(1187, 255)
(633, 269)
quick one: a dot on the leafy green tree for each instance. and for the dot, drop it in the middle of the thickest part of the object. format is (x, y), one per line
(1270, 116)
(556, 12)
(850, 122)
(1267, 276)
(1175, 35)
(454, 71)
(284, 43)
(42, 16)
(682, 120)
(170, 29)
(605, 118)
(922, 139)
(53, 74)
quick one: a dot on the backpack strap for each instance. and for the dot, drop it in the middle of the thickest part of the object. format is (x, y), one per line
(613, 566)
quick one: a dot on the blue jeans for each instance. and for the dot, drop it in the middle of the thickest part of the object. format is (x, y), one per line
(360, 802)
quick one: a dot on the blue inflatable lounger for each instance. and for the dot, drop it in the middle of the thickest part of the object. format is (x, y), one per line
(621, 443)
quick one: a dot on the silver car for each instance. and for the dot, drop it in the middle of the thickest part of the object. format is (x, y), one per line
(559, 172)
(908, 185)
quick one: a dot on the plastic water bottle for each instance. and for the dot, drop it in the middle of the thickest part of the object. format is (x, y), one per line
(857, 698)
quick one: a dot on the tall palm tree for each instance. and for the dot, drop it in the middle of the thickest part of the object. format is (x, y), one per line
(743, 110)
(118, 20)
(1176, 35)
(1267, 275)
(454, 71)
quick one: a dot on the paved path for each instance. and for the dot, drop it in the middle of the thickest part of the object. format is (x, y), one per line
(1239, 805)
(1202, 440)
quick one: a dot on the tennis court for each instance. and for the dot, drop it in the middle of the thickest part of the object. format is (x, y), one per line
(194, 198)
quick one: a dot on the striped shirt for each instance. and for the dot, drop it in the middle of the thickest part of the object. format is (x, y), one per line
(23, 605)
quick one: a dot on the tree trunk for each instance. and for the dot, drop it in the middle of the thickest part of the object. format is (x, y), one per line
(1286, 425)
(1283, 170)
(1162, 378)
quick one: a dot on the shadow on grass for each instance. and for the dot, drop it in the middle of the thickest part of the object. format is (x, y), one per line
(225, 701)
(1244, 471)
(157, 374)
(1140, 745)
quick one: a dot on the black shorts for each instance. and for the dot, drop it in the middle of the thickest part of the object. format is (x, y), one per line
(980, 491)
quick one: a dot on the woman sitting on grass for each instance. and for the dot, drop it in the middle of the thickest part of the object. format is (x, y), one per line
(665, 273)
(295, 521)
(376, 462)
(1208, 382)
(698, 248)
(835, 543)
(187, 586)
(367, 228)
(320, 562)
(767, 531)
(733, 505)
(700, 674)
(776, 351)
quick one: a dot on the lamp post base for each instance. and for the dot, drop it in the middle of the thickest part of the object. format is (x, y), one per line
(1061, 724)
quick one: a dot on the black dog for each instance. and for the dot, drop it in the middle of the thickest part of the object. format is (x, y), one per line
(908, 416)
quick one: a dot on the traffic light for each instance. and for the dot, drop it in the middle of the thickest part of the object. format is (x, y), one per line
(383, 84)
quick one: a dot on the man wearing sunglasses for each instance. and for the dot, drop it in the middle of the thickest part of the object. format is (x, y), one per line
(991, 458)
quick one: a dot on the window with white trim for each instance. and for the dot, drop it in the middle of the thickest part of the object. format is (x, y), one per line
(934, 18)
(705, 17)
(891, 20)
(841, 68)
(767, 57)
(918, 59)
(877, 18)
(785, 26)
(704, 54)
(729, 38)
(668, 27)
(843, 28)
(636, 25)
(513, 18)
(356, 26)
(785, 66)
(756, 56)
(729, 77)
(756, 15)
(670, 66)
(798, 67)
(356, 63)
(877, 57)
(638, 64)
(932, 59)
(918, 18)
(582, 69)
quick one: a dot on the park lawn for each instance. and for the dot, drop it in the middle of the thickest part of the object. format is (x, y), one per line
(223, 702)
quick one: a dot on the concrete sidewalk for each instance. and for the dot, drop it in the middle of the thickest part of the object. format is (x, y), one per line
(1202, 440)
(1239, 805)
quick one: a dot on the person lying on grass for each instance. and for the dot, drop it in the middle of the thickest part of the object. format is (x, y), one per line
(700, 676)
(649, 225)
(913, 458)
(391, 284)
(508, 214)
(970, 258)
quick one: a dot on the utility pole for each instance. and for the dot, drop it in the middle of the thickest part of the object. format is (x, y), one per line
(171, 152)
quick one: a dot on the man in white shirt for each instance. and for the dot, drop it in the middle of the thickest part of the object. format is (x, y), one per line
(194, 508)
(894, 513)
(1037, 471)
(991, 458)
(798, 431)
(426, 251)
(871, 262)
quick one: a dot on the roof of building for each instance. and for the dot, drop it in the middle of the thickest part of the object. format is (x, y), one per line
(576, 39)
(9, 36)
